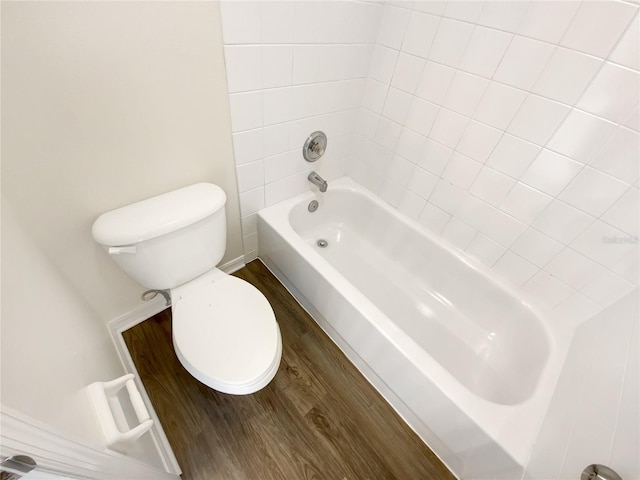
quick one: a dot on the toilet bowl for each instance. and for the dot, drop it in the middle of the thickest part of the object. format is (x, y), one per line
(225, 333)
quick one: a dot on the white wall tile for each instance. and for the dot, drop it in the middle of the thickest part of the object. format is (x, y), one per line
(573, 268)
(420, 33)
(397, 105)
(461, 170)
(593, 192)
(450, 42)
(392, 26)
(501, 227)
(248, 146)
(597, 27)
(625, 213)
(548, 21)
(407, 73)
(391, 192)
(485, 50)
(383, 62)
(433, 218)
(305, 63)
(566, 75)
(410, 145)
(620, 156)
(491, 186)
(604, 244)
(576, 309)
(478, 141)
(400, 170)
(448, 127)
(551, 172)
(250, 176)
(503, 15)
(244, 67)
(367, 123)
(250, 224)
(465, 93)
(278, 21)
(562, 222)
(448, 197)
(612, 94)
(523, 62)
(246, 110)
(421, 116)
(285, 188)
(435, 7)
(628, 266)
(283, 165)
(276, 65)
(388, 133)
(466, 10)
(581, 135)
(536, 247)
(251, 201)
(512, 155)
(499, 105)
(627, 52)
(435, 157)
(241, 22)
(458, 233)
(435, 82)
(537, 119)
(514, 268)
(374, 95)
(525, 203)
(485, 250)
(607, 287)
(633, 119)
(275, 139)
(411, 204)
(547, 290)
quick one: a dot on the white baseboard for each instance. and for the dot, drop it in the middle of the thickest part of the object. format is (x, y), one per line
(132, 318)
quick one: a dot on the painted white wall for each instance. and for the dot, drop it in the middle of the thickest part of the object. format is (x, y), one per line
(104, 104)
(595, 410)
(53, 344)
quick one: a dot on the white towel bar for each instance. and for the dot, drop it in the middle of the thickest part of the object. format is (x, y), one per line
(111, 417)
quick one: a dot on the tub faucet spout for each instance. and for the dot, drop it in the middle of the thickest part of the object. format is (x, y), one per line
(318, 181)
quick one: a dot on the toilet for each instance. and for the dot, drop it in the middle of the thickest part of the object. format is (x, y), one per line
(225, 333)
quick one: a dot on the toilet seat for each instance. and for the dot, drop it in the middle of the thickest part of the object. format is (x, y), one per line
(225, 333)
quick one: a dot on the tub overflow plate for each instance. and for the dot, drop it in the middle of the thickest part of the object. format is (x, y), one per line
(313, 206)
(322, 243)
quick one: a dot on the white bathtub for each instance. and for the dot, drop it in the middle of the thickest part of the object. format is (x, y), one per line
(467, 363)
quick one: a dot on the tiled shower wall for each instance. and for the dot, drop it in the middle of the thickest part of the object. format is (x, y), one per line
(511, 130)
(293, 68)
(508, 128)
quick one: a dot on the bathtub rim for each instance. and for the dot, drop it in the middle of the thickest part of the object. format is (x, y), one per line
(518, 424)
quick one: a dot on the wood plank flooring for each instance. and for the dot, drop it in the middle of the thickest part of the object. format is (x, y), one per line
(318, 418)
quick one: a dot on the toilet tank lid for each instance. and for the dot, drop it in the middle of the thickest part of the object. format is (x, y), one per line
(158, 215)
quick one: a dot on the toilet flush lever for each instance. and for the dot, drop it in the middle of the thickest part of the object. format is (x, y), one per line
(121, 250)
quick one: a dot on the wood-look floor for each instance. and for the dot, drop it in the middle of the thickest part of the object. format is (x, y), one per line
(318, 419)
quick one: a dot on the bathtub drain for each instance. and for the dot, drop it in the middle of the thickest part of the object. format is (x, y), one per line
(322, 243)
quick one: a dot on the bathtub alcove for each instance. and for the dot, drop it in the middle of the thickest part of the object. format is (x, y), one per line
(468, 364)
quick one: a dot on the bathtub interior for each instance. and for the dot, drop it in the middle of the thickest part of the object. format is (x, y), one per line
(492, 343)
(480, 412)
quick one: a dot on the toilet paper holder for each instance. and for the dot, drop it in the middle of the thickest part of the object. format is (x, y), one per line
(110, 414)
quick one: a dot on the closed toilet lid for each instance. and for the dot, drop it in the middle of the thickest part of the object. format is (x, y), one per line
(225, 333)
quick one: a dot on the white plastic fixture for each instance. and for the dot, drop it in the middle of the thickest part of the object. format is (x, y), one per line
(110, 415)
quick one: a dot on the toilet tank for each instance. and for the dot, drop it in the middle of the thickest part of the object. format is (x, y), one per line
(167, 240)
